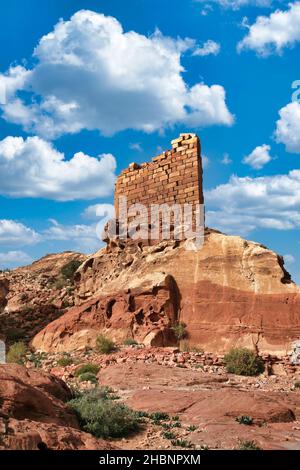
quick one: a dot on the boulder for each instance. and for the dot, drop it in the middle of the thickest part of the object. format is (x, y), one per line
(34, 414)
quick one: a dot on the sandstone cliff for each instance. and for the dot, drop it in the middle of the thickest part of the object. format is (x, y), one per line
(231, 292)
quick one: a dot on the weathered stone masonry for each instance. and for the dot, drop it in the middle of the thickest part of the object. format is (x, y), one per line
(175, 176)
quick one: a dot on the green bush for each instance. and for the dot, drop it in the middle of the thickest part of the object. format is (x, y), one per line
(130, 342)
(65, 361)
(248, 445)
(245, 420)
(180, 331)
(169, 435)
(159, 416)
(104, 345)
(297, 384)
(37, 358)
(242, 361)
(192, 428)
(88, 377)
(69, 269)
(102, 417)
(87, 368)
(182, 443)
(16, 353)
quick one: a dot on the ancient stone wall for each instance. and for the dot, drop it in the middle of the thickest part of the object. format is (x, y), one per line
(175, 176)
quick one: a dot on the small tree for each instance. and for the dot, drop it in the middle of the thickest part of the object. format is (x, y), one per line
(180, 330)
(69, 269)
(242, 361)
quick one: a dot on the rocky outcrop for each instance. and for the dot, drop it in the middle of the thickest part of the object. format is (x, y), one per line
(33, 413)
(4, 287)
(232, 292)
(37, 295)
(145, 313)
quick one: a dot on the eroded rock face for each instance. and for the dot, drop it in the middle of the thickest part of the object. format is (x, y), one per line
(35, 297)
(232, 292)
(33, 395)
(145, 313)
(33, 413)
(4, 288)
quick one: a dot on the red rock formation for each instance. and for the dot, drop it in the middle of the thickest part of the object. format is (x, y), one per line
(4, 287)
(36, 296)
(145, 313)
(33, 414)
(230, 293)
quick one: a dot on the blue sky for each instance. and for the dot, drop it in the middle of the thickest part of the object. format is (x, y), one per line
(99, 92)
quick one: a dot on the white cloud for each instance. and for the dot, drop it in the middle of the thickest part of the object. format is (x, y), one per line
(245, 204)
(14, 233)
(136, 146)
(289, 259)
(226, 160)
(259, 157)
(32, 167)
(237, 4)
(271, 34)
(208, 48)
(288, 127)
(83, 237)
(99, 210)
(90, 74)
(14, 258)
(205, 161)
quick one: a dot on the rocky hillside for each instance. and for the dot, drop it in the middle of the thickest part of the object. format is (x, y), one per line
(33, 296)
(232, 292)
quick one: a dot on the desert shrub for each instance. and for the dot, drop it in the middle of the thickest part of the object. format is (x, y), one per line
(104, 345)
(242, 361)
(130, 342)
(65, 361)
(159, 416)
(88, 377)
(16, 353)
(37, 358)
(180, 330)
(192, 428)
(69, 269)
(102, 417)
(297, 384)
(168, 435)
(245, 420)
(182, 443)
(87, 368)
(248, 445)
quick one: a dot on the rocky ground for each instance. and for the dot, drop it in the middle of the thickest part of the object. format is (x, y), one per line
(201, 403)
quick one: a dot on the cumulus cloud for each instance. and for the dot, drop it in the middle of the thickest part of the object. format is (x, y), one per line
(209, 47)
(32, 167)
(84, 237)
(245, 204)
(91, 74)
(14, 258)
(259, 157)
(271, 34)
(15, 233)
(288, 127)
